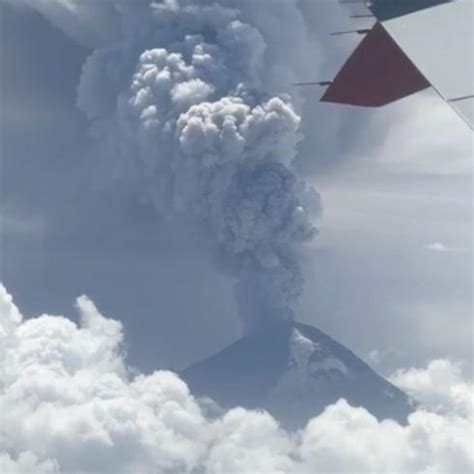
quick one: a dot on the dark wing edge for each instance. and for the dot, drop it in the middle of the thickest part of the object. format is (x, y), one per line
(387, 9)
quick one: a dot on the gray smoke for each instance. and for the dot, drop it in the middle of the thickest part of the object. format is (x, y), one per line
(193, 101)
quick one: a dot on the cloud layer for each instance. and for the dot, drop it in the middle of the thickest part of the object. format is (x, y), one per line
(69, 403)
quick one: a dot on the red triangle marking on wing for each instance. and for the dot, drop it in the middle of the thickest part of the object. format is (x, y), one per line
(378, 72)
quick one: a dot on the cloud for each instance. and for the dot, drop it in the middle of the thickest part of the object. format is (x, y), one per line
(440, 387)
(193, 103)
(437, 247)
(195, 100)
(70, 404)
(26, 462)
(69, 401)
(89, 22)
(429, 443)
(443, 248)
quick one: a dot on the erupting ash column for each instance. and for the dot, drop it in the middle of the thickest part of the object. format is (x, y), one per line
(193, 96)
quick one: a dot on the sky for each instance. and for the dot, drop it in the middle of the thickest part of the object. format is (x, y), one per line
(393, 255)
(396, 239)
(389, 273)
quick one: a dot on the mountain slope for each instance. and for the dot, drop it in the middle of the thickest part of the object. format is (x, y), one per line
(294, 371)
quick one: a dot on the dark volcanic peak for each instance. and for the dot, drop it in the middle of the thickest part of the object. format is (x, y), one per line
(294, 371)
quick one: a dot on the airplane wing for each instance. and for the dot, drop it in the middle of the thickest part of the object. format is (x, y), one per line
(413, 45)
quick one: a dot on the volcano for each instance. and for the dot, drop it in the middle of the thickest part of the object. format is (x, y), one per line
(294, 371)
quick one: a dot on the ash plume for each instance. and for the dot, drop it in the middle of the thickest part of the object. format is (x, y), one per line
(193, 100)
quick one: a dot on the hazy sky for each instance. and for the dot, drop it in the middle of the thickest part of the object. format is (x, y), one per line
(391, 271)
(389, 275)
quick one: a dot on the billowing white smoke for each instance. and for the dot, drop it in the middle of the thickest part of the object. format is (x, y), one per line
(69, 403)
(192, 101)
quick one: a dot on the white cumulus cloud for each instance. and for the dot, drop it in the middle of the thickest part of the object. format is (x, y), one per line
(69, 403)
